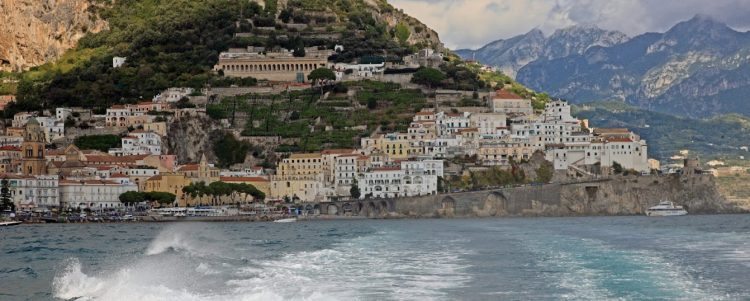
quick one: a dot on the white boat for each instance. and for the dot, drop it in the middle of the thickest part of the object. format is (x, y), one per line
(286, 220)
(10, 223)
(666, 208)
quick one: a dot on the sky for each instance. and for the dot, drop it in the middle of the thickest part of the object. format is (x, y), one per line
(474, 23)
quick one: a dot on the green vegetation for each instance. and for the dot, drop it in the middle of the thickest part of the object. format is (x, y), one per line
(218, 189)
(131, 198)
(6, 203)
(429, 77)
(167, 43)
(98, 142)
(354, 190)
(321, 74)
(333, 123)
(545, 172)
(402, 32)
(493, 177)
(230, 151)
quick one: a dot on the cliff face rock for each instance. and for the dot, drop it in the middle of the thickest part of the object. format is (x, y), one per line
(617, 196)
(35, 32)
(190, 137)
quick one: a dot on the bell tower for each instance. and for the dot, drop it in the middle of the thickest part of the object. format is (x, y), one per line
(33, 162)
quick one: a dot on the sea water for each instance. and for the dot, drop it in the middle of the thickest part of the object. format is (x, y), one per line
(597, 258)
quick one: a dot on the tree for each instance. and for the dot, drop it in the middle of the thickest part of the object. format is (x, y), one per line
(617, 168)
(321, 74)
(402, 32)
(372, 103)
(6, 203)
(131, 198)
(354, 191)
(184, 103)
(429, 77)
(163, 198)
(98, 142)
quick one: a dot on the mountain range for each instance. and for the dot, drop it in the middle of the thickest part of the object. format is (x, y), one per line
(698, 68)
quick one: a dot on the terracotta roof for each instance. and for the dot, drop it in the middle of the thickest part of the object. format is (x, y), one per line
(468, 130)
(103, 167)
(87, 182)
(189, 167)
(243, 179)
(49, 152)
(611, 130)
(613, 139)
(118, 175)
(117, 107)
(425, 113)
(10, 148)
(114, 159)
(154, 178)
(504, 94)
(337, 151)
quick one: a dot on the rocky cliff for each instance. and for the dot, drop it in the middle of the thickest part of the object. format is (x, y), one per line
(617, 196)
(190, 137)
(34, 32)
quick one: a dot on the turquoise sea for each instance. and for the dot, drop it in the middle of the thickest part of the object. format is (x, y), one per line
(593, 258)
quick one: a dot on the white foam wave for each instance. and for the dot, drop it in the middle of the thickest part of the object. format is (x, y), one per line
(379, 266)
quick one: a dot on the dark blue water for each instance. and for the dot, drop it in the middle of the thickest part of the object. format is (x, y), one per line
(603, 258)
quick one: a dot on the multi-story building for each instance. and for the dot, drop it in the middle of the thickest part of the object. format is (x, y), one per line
(33, 191)
(509, 103)
(277, 66)
(138, 143)
(201, 172)
(93, 194)
(169, 182)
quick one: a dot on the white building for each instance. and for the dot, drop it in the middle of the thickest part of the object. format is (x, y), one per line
(30, 192)
(138, 143)
(488, 123)
(410, 178)
(20, 119)
(173, 94)
(509, 103)
(117, 61)
(93, 194)
(451, 123)
(53, 129)
(61, 114)
(343, 71)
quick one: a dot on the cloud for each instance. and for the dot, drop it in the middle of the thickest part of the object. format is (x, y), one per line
(473, 23)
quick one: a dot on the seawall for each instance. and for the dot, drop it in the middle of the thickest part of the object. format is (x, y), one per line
(612, 196)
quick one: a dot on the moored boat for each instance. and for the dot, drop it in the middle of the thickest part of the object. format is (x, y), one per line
(286, 220)
(666, 208)
(9, 223)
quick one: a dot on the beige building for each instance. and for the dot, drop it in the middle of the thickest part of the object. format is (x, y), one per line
(169, 182)
(276, 66)
(201, 172)
(299, 177)
(509, 103)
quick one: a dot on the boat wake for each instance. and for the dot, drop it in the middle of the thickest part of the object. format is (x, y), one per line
(181, 264)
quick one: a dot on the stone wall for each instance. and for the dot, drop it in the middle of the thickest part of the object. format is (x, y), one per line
(615, 196)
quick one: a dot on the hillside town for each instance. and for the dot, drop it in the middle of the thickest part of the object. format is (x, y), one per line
(45, 171)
